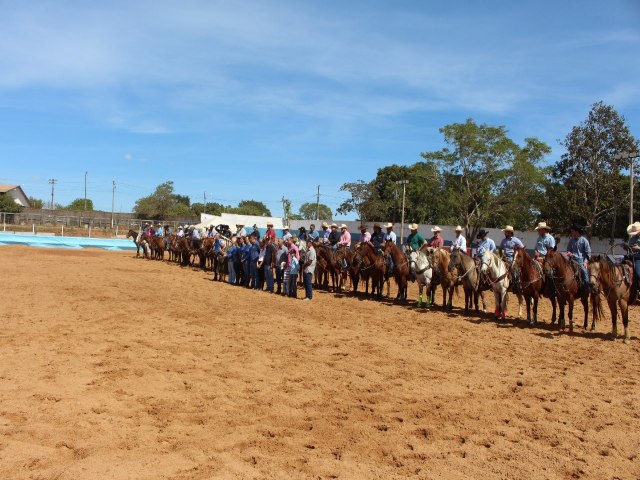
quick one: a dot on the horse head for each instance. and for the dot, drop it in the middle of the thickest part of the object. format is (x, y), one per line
(487, 260)
(455, 259)
(594, 269)
(551, 262)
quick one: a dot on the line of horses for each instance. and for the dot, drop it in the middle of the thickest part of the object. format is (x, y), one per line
(555, 277)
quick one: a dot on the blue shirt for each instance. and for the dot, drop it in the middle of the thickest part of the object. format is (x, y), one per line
(237, 254)
(159, 232)
(390, 236)
(508, 246)
(486, 244)
(545, 243)
(254, 251)
(217, 245)
(325, 236)
(580, 249)
(230, 251)
(635, 240)
(295, 265)
(314, 236)
(246, 252)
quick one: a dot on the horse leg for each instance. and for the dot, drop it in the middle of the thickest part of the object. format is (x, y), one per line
(624, 312)
(420, 289)
(536, 298)
(503, 305)
(570, 313)
(585, 305)
(614, 317)
(497, 300)
(527, 300)
(519, 295)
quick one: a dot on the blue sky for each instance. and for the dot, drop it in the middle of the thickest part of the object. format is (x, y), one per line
(256, 100)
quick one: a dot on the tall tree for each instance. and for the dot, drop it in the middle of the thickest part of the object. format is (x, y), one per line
(78, 204)
(364, 201)
(8, 204)
(308, 211)
(163, 202)
(251, 207)
(587, 178)
(36, 202)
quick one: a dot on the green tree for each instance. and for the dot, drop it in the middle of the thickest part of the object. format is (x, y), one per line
(307, 211)
(163, 202)
(364, 201)
(8, 205)
(36, 202)
(78, 204)
(586, 181)
(251, 207)
(479, 167)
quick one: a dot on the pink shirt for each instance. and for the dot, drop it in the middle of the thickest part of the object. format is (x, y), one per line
(436, 241)
(366, 237)
(345, 239)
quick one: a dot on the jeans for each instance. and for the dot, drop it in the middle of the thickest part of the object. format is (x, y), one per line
(286, 282)
(232, 272)
(293, 286)
(636, 269)
(279, 279)
(253, 269)
(247, 276)
(237, 266)
(585, 274)
(268, 275)
(308, 284)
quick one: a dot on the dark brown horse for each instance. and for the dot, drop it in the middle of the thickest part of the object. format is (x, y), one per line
(563, 281)
(373, 267)
(532, 283)
(134, 236)
(327, 258)
(615, 283)
(401, 268)
(440, 259)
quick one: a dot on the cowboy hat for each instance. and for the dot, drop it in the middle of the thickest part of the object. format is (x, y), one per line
(633, 228)
(343, 226)
(325, 224)
(334, 225)
(508, 228)
(239, 224)
(363, 227)
(413, 226)
(543, 226)
(577, 228)
(436, 229)
(459, 228)
(389, 225)
(269, 224)
(376, 225)
(482, 233)
(286, 227)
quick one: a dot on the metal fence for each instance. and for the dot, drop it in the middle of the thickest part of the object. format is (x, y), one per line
(77, 225)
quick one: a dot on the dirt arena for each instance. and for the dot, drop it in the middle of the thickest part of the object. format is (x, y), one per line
(113, 367)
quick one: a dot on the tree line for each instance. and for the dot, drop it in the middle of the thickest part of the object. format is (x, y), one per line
(483, 178)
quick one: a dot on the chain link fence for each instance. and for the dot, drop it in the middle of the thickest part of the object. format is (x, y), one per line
(77, 225)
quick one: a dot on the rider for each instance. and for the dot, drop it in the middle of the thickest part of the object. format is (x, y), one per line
(302, 233)
(545, 240)
(436, 241)
(286, 235)
(485, 243)
(345, 237)
(326, 232)
(180, 232)
(509, 244)
(414, 240)
(195, 238)
(334, 236)
(579, 251)
(460, 242)
(240, 231)
(364, 235)
(390, 236)
(271, 233)
(634, 246)
(377, 237)
(312, 234)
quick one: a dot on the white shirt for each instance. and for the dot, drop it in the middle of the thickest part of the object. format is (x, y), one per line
(180, 233)
(241, 232)
(460, 243)
(390, 236)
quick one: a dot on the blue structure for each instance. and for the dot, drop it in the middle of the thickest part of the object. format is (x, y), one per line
(66, 242)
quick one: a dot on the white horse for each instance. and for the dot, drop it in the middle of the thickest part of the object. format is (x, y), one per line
(498, 274)
(423, 272)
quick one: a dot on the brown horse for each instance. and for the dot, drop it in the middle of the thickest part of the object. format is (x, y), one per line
(134, 236)
(400, 270)
(469, 275)
(615, 283)
(327, 259)
(440, 259)
(373, 267)
(532, 283)
(157, 247)
(565, 284)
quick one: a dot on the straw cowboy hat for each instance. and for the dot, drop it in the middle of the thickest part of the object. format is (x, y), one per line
(363, 227)
(325, 224)
(389, 225)
(508, 228)
(286, 227)
(436, 229)
(459, 228)
(239, 224)
(544, 226)
(269, 224)
(343, 226)
(413, 226)
(633, 228)
(376, 225)
(334, 225)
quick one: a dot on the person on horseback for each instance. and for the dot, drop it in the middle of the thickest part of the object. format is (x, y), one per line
(485, 243)
(436, 241)
(256, 232)
(364, 235)
(634, 248)
(579, 251)
(460, 242)
(271, 233)
(159, 230)
(302, 233)
(312, 234)
(325, 233)
(345, 237)
(334, 236)
(240, 231)
(390, 236)
(286, 235)
(545, 240)
(509, 244)
(414, 240)
(180, 233)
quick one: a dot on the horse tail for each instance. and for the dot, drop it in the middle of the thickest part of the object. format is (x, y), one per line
(596, 307)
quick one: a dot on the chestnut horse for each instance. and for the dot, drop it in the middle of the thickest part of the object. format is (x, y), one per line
(440, 259)
(372, 266)
(563, 281)
(532, 283)
(616, 283)
(400, 269)
(469, 275)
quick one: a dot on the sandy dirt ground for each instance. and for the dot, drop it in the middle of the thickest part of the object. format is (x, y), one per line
(113, 367)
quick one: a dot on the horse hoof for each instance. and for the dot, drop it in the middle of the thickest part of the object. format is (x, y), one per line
(625, 341)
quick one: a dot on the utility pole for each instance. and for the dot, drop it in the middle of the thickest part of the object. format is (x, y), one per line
(85, 191)
(205, 198)
(113, 201)
(404, 191)
(629, 156)
(284, 210)
(318, 205)
(52, 182)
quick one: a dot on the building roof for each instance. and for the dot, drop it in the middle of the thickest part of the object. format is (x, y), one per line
(5, 188)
